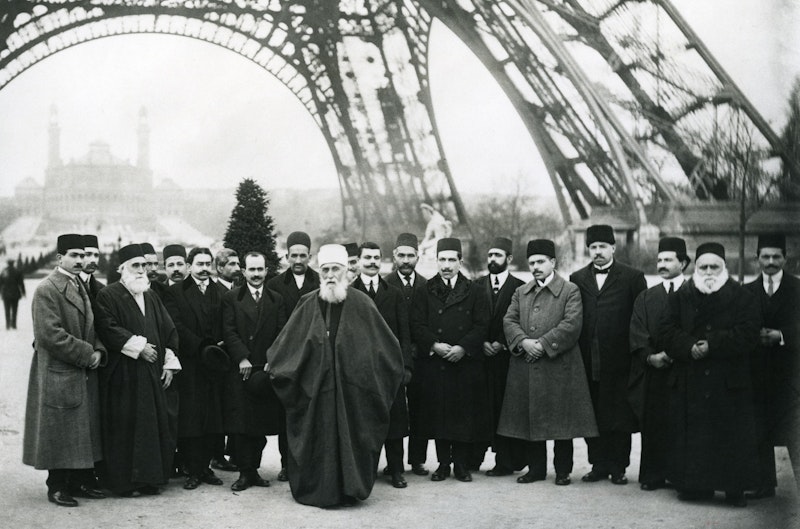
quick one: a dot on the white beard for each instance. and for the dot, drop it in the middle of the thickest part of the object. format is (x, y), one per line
(710, 284)
(334, 294)
(135, 284)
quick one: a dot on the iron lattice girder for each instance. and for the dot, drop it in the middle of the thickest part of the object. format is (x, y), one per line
(378, 123)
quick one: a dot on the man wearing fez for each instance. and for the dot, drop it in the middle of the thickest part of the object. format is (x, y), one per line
(91, 259)
(392, 306)
(138, 444)
(775, 366)
(12, 288)
(229, 270)
(498, 286)
(449, 326)
(292, 284)
(651, 364)
(195, 307)
(252, 317)
(547, 396)
(337, 367)
(709, 332)
(352, 260)
(608, 290)
(175, 263)
(151, 261)
(62, 415)
(405, 257)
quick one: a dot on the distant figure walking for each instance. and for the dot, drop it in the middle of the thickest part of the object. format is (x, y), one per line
(12, 288)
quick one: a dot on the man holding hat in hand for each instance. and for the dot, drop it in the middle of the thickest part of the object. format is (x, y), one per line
(337, 367)
(449, 325)
(62, 416)
(651, 364)
(142, 342)
(710, 331)
(547, 396)
(252, 317)
(608, 291)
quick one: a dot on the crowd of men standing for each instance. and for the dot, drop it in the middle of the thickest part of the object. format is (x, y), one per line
(141, 380)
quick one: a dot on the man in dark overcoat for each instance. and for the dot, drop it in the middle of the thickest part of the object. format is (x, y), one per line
(292, 284)
(252, 317)
(498, 286)
(775, 366)
(449, 326)
(405, 256)
(62, 414)
(138, 444)
(337, 367)
(91, 260)
(710, 331)
(12, 288)
(390, 303)
(195, 307)
(651, 364)
(608, 290)
(547, 396)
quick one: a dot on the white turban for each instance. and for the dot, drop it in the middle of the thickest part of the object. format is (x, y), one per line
(332, 253)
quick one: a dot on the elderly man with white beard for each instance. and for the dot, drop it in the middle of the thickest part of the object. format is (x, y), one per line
(336, 367)
(141, 339)
(710, 330)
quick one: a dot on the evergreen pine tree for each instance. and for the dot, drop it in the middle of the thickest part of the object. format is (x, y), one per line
(250, 228)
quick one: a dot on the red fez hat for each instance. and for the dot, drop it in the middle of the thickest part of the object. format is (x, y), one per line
(448, 243)
(352, 249)
(407, 239)
(69, 241)
(172, 250)
(772, 240)
(674, 244)
(600, 233)
(501, 243)
(542, 247)
(298, 237)
(147, 248)
(90, 241)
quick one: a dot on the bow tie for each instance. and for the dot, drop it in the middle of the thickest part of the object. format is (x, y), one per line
(599, 271)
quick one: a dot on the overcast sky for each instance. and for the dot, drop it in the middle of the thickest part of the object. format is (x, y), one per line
(215, 117)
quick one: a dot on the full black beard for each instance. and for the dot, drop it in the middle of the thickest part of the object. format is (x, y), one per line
(495, 268)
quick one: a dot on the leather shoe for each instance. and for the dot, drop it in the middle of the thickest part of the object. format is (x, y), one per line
(593, 476)
(398, 481)
(386, 471)
(210, 478)
(768, 492)
(191, 483)
(419, 470)
(498, 471)
(243, 483)
(619, 479)
(735, 499)
(653, 485)
(283, 475)
(441, 473)
(62, 499)
(85, 491)
(563, 479)
(462, 473)
(224, 465)
(530, 477)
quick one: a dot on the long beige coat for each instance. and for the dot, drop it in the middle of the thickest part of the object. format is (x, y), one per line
(62, 416)
(549, 398)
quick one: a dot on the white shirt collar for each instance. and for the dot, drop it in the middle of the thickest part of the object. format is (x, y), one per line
(367, 280)
(777, 277)
(411, 277)
(253, 290)
(84, 276)
(226, 284)
(677, 281)
(501, 278)
(606, 266)
(68, 274)
(546, 280)
(299, 280)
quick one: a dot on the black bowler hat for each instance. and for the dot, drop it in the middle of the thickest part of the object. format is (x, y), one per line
(352, 249)
(215, 359)
(710, 247)
(90, 241)
(772, 240)
(147, 248)
(600, 233)
(172, 250)
(674, 244)
(258, 383)
(542, 247)
(448, 243)
(407, 239)
(69, 241)
(502, 243)
(298, 237)
(126, 253)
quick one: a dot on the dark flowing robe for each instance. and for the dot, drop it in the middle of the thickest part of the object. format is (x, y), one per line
(285, 285)
(649, 394)
(138, 443)
(337, 398)
(712, 424)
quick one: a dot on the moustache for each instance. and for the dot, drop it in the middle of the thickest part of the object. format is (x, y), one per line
(203, 273)
(371, 266)
(662, 270)
(176, 274)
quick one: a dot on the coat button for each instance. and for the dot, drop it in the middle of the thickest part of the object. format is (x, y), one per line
(533, 327)
(555, 345)
(708, 327)
(251, 337)
(438, 331)
(707, 371)
(535, 309)
(440, 311)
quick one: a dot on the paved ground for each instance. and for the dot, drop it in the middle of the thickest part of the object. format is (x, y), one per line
(486, 502)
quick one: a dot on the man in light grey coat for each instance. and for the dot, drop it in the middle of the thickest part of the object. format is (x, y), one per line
(62, 417)
(547, 395)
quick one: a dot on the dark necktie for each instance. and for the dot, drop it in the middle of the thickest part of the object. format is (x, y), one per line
(671, 287)
(601, 271)
(256, 296)
(371, 290)
(770, 286)
(496, 286)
